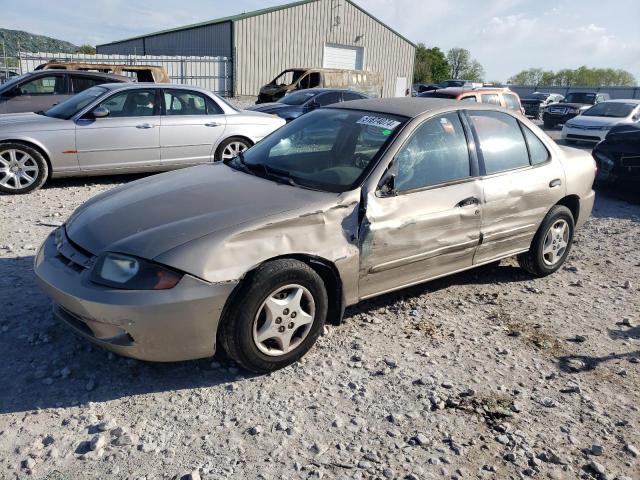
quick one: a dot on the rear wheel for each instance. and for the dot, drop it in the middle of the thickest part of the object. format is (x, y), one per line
(278, 314)
(22, 168)
(551, 244)
(231, 148)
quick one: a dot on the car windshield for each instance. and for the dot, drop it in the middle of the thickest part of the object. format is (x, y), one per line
(297, 98)
(73, 105)
(610, 110)
(329, 149)
(580, 98)
(226, 102)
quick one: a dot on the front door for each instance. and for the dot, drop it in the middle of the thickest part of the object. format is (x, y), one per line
(430, 225)
(520, 181)
(37, 94)
(191, 128)
(129, 137)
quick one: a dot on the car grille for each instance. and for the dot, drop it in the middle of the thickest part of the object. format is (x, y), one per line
(585, 127)
(630, 162)
(591, 138)
(73, 255)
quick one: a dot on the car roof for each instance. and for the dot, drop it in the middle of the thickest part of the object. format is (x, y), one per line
(173, 86)
(623, 100)
(325, 89)
(410, 106)
(81, 73)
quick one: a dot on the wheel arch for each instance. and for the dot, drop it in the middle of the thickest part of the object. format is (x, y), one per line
(572, 202)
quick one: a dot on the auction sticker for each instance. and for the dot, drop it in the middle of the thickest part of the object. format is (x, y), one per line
(380, 122)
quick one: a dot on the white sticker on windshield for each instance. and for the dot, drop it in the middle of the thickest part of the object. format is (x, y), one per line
(381, 122)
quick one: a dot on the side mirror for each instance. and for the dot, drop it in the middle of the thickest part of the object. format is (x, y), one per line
(100, 112)
(388, 185)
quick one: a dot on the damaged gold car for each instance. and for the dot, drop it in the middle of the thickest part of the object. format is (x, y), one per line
(255, 254)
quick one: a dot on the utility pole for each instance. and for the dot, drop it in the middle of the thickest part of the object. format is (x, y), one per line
(4, 58)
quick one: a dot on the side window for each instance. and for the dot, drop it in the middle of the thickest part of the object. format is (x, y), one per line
(537, 151)
(492, 98)
(328, 98)
(437, 152)
(133, 103)
(501, 142)
(346, 96)
(472, 99)
(80, 84)
(213, 108)
(512, 102)
(49, 85)
(184, 102)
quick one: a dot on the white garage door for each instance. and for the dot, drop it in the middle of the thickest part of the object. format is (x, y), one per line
(343, 56)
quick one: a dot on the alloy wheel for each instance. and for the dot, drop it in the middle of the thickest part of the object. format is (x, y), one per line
(556, 242)
(18, 169)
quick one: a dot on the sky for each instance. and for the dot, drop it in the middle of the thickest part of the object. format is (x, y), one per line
(505, 36)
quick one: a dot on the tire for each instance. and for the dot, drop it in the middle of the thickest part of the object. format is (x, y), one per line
(548, 251)
(22, 168)
(257, 324)
(230, 148)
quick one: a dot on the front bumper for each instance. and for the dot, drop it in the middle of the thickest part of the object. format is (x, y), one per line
(583, 134)
(160, 326)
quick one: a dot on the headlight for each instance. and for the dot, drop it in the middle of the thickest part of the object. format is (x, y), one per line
(130, 273)
(58, 236)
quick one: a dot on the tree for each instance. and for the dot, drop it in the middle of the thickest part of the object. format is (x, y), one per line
(463, 66)
(88, 49)
(582, 76)
(431, 65)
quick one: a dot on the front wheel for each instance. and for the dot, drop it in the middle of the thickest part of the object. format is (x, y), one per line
(231, 148)
(22, 168)
(277, 316)
(551, 244)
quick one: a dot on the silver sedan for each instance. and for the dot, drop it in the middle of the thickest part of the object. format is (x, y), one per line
(124, 128)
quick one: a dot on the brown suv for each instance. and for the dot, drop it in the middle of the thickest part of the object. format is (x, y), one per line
(502, 97)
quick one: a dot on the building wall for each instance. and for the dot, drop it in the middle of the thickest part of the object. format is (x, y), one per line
(205, 41)
(295, 37)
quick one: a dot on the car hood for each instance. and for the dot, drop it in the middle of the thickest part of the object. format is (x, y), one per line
(26, 122)
(154, 215)
(588, 121)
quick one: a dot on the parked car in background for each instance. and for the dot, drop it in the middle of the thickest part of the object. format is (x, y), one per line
(594, 124)
(140, 73)
(299, 102)
(254, 255)
(369, 83)
(502, 97)
(459, 83)
(37, 91)
(6, 75)
(571, 106)
(418, 88)
(618, 156)
(124, 128)
(535, 103)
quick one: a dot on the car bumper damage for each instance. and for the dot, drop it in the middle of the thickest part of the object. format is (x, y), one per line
(158, 325)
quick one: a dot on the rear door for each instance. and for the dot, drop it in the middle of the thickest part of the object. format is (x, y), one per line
(430, 225)
(191, 126)
(128, 138)
(520, 182)
(36, 94)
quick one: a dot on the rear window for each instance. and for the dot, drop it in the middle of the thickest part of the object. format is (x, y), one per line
(491, 98)
(512, 102)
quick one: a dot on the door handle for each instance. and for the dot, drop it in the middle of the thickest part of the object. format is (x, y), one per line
(555, 183)
(212, 124)
(145, 126)
(467, 202)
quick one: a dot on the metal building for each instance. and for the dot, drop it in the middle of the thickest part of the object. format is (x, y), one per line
(308, 33)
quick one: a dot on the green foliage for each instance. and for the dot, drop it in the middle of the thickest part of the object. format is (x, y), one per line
(431, 65)
(16, 40)
(88, 49)
(583, 76)
(463, 66)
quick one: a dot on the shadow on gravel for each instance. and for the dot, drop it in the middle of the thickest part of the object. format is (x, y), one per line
(43, 364)
(626, 334)
(89, 181)
(585, 363)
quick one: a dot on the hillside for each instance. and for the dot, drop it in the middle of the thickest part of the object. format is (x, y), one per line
(28, 42)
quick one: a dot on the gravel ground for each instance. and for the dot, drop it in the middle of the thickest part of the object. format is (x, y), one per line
(486, 374)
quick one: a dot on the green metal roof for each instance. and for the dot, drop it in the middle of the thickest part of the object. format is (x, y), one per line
(255, 13)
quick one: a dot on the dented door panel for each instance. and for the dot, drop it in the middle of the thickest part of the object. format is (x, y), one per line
(410, 238)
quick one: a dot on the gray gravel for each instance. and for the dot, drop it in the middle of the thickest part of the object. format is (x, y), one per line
(487, 374)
